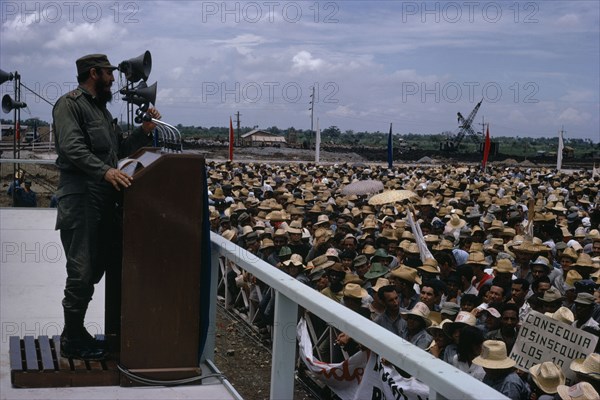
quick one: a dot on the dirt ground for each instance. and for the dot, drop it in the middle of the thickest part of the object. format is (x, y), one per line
(244, 360)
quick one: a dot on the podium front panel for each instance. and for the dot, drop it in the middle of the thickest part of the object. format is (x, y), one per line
(162, 236)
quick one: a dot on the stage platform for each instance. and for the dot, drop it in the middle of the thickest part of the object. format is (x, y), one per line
(32, 277)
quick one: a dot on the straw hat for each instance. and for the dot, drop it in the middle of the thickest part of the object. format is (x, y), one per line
(368, 250)
(547, 376)
(266, 243)
(294, 227)
(381, 282)
(572, 277)
(420, 310)
(563, 314)
(580, 391)
(589, 366)
(493, 356)
(354, 290)
(444, 244)
(504, 266)
(406, 273)
(477, 258)
(455, 222)
(584, 260)
(295, 260)
(430, 265)
(322, 262)
(229, 234)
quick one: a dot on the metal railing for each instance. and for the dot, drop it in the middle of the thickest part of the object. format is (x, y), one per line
(445, 381)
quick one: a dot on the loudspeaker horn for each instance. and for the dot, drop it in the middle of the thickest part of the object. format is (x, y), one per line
(5, 76)
(8, 104)
(147, 92)
(137, 68)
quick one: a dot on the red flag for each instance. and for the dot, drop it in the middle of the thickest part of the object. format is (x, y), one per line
(486, 147)
(18, 131)
(230, 139)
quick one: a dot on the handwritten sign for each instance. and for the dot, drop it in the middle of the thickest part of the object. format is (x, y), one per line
(542, 338)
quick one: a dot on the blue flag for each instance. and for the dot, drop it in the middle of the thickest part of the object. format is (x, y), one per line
(390, 151)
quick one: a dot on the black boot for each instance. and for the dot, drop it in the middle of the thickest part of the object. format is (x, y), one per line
(76, 342)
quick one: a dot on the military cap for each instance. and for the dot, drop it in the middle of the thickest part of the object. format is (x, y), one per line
(85, 63)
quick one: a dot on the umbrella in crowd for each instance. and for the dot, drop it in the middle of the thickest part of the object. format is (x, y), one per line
(391, 196)
(363, 187)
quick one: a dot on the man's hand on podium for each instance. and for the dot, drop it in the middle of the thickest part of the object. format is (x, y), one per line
(118, 178)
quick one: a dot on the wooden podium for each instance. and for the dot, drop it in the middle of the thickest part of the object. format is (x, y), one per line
(160, 337)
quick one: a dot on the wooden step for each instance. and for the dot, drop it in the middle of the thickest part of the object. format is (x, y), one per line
(36, 363)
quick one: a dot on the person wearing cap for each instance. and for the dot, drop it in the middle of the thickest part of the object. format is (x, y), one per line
(584, 307)
(500, 372)
(89, 144)
(508, 331)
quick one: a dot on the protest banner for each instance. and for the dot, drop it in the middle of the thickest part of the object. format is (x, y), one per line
(362, 376)
(542, 338)
(381, 381)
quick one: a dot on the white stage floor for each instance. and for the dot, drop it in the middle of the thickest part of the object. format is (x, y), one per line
(32, 277)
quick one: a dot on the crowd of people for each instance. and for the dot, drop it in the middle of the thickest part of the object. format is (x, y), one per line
(498, 245)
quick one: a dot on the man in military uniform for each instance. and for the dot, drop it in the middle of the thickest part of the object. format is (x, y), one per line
(89, 144)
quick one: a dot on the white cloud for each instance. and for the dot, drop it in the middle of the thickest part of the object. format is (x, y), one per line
(569, 20)
(304, 61)
(571, 115)
(78, 35)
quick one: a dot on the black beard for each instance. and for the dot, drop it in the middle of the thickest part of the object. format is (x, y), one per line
(104, 96)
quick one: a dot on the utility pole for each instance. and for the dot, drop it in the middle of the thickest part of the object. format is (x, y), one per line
(312, 114)
(483, 126)
(239, 139)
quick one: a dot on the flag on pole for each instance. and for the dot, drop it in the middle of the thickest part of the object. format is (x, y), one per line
(230, 139)
(18, 131)
(559, 153)
(390, 150)
(419, 238)
(486, 147)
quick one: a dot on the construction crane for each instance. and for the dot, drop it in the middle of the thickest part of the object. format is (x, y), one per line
(465, 127)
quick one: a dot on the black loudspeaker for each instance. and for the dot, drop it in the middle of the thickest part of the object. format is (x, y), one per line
(8, 104)
(142, 94)
(137, 68)
(5, 76)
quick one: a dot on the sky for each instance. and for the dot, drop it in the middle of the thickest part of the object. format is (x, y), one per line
(535, 64)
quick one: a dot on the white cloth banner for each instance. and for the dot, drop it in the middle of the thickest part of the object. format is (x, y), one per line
(419, 239)
(342, 378)
(383, 382)
(363, 376)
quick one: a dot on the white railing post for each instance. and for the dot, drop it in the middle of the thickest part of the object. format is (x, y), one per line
(209, 344)
(284, 348)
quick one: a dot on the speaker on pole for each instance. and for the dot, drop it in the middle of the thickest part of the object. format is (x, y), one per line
(137, 68)
(5, 76)
(8, 104)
